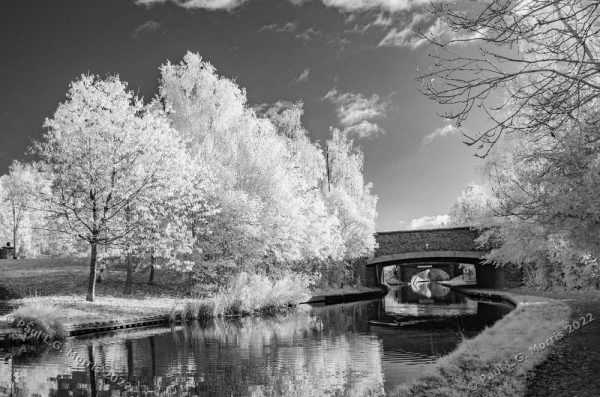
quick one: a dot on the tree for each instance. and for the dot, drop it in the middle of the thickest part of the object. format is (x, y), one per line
(267, 171)
(546, 194)
(473, 205)
(18, 189)
(107, 153)
(349, 197)
(537, 65)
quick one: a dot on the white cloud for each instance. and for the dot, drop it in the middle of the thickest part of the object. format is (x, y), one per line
(446, 130)
(406, 37)
(388, 5)
(364, 129)
(346, 5)
(303, 76)
(206, 4)
(425, 222)
(356, 112)
(145, 28)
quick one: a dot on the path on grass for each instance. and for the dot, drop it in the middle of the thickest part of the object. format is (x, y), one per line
(573, 366)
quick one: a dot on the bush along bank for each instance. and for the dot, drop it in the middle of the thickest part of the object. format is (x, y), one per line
(498, 361)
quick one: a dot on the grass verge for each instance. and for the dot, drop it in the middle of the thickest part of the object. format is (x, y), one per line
(497, 362)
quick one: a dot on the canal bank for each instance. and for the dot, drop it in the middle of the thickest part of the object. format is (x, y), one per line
(573, 366)
(500, 360)
(109, 315)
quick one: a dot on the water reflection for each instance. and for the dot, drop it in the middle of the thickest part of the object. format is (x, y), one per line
(309, 352)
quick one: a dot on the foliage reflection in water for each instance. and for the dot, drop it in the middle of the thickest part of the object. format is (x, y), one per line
(331, 350)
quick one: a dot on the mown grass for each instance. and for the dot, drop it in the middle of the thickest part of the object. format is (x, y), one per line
(498, 361)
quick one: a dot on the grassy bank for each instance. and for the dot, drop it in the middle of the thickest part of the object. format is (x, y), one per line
(53, 295)
(497, 362)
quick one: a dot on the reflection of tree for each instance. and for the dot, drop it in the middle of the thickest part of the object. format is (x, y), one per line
(92, 371)
(325, 351)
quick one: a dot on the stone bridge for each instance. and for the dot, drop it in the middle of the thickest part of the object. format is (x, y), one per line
(416, 250)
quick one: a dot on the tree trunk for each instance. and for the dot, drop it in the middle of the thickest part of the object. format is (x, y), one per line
(92, 280)
(129, 279)
(151, 279)
(15, 243)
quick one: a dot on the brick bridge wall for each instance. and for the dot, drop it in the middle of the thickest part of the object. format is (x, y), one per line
(450, 239)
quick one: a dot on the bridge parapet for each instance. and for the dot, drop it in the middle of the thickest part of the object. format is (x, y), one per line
(447, 239)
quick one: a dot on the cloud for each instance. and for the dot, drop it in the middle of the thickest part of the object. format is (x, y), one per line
(425, 222)
(357, 112)
(191, 4)
(288, 27)
(276, 107)
(308, 34)
(145, 28)
(411, 36)
(345, 5)
(303, 76)
(362, 5)
(446, 130)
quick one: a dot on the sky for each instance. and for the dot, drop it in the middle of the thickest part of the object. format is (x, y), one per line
(353, 63)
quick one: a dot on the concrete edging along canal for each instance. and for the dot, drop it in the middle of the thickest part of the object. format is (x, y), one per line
(329, 299)
(498, 361)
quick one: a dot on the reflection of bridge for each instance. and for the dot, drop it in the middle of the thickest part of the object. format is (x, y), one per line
(415, 250)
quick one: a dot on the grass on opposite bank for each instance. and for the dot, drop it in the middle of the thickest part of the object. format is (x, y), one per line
(245, 295)
(497, 361)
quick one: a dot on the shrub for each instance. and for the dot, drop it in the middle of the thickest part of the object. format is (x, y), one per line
(247, 293)
(39, 321)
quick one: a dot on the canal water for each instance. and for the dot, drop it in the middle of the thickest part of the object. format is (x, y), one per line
(356, 349)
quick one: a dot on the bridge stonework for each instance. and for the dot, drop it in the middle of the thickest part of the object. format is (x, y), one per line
(438, 247)
(451, 239)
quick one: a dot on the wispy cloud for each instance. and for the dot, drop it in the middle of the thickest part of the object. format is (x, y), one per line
(388, 5)
(411, 36)
(303, 76)
(275, 27)
(425, 222)
(357, 112)
(346, 5)
(191, 4)
(145, 28)
(446, 130)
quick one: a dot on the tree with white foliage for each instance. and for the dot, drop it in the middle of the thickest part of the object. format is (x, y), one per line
(107, 152)
(473, 205)
(350, 198)
(268, 172)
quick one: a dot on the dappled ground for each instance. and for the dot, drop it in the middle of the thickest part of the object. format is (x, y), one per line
(573, 365)
(69, 276)
(61, 285)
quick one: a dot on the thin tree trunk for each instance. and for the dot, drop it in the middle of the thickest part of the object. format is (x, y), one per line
(92, 280)
(15, 243)
(151, 279)
(129, 279)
